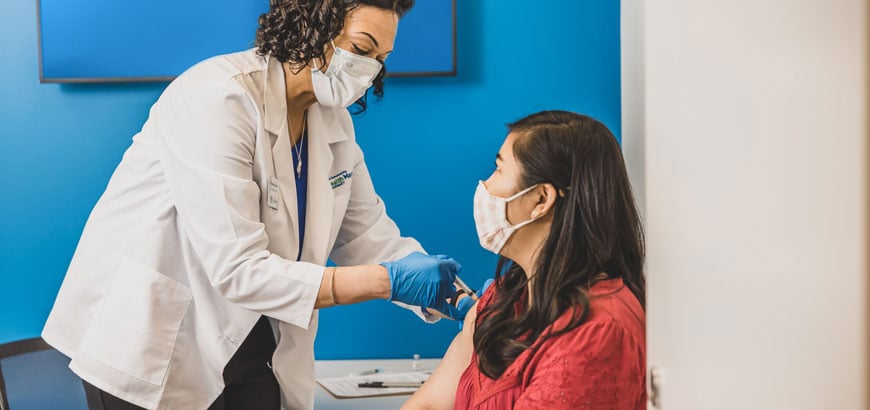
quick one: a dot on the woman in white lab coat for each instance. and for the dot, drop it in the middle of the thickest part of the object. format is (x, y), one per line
(210, 241)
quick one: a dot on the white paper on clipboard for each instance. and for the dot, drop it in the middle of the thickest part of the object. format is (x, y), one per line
(348, 386)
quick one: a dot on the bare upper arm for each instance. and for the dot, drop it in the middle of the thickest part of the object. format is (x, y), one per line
(439, 391)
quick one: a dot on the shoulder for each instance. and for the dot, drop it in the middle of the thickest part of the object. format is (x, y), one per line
(598, 363)
(225, 67)
(612, 323)
(221, 81)
(592, 335)
(208, 106)
(616, 305)
(484, 300)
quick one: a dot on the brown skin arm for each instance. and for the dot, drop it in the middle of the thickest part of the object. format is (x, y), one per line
(353, 284)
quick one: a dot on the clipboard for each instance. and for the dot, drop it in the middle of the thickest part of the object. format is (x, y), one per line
(347, 387)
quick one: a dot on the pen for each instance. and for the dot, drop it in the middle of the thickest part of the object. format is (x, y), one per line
(465, 287)
(390, 384)
(366, 372)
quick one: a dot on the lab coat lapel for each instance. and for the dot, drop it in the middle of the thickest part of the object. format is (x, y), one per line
(282, 154)
(275, 119)
(320, 198)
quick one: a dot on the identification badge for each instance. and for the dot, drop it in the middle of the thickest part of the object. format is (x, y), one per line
(272, 195)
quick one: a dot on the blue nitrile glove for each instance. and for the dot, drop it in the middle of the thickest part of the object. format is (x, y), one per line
(465, 304)
(423, 280)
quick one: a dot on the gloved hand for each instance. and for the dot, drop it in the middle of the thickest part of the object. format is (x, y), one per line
(423, 280)
(465, 304)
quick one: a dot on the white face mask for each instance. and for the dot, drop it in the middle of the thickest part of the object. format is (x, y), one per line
(346, 79)
(490, 218)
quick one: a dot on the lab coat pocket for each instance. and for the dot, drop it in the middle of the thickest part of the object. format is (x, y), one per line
(135, 325)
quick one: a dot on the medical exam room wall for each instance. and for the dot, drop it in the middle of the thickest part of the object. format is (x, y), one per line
(751, 120)
(427, 144)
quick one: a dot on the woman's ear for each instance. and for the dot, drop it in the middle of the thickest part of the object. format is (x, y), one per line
(545, 200)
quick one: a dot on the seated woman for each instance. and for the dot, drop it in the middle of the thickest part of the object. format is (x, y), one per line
(563, 324)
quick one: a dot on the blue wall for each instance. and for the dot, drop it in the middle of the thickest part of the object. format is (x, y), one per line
(427, 144)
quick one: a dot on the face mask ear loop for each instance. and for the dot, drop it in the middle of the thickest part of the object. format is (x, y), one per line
(316, 66)
(514, 197)
(334, 49)
(521, 193)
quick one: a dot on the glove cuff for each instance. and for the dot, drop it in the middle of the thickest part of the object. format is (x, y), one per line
(455, 300)
(390, 273)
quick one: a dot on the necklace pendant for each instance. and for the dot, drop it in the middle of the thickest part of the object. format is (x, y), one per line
(299, 169)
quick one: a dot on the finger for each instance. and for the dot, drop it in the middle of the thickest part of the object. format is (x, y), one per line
(448, 275)
(451, 265)
(464, 305)
(453, 262)
(436, 313)
(447, 309)
(448, 281)
(445, 290)
(443, 258)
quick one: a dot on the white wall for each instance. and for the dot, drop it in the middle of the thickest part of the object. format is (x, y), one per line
(631, 55)
(754, 170)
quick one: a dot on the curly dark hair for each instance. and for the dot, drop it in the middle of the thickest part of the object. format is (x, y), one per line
(297, 31)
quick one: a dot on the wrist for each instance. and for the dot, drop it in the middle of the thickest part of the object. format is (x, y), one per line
(332, 287)
(383, 284)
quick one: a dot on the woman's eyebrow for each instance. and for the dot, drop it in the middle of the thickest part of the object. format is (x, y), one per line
(374, 40)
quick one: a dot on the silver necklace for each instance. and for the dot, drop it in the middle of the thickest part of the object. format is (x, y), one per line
(296, 147)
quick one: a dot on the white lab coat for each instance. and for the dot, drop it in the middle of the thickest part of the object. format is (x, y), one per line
(184, 251)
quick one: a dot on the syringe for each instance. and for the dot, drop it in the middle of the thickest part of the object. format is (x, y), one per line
(465, 287)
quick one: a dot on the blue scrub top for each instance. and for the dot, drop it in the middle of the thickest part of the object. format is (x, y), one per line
(301, 185)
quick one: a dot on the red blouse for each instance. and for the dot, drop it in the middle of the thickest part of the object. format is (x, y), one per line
(600, 364)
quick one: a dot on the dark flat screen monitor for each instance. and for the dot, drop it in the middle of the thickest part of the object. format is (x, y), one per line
(156, 40)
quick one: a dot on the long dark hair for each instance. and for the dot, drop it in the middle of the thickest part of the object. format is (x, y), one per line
(596, 228)
(297, 31)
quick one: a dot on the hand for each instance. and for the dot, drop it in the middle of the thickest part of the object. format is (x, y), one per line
(423, 280)
(464, 305)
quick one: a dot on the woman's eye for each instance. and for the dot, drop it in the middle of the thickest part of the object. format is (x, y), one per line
(360, 51)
